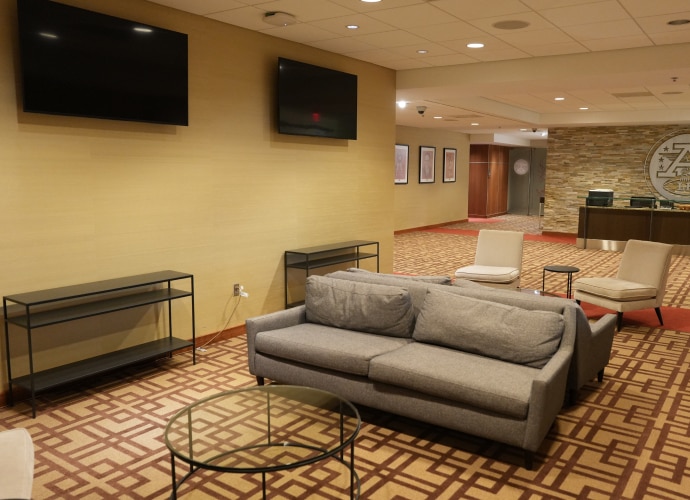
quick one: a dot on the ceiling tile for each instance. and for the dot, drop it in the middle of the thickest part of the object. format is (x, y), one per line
(591, 12)
(594, 31)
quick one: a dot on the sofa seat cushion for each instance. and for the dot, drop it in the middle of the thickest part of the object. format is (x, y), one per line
(616, 289)
(326, 347)
(486, 383)
(488, 328)
(363, 307)
(488, 274)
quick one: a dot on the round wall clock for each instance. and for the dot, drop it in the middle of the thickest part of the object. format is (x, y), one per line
(521, 166)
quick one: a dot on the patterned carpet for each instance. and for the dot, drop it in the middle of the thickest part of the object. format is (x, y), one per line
(627, 438)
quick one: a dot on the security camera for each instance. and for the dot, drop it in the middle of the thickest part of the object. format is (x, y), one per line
(421, 110)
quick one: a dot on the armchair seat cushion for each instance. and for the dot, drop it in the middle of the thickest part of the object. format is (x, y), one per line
(489, 274)
(615, 289)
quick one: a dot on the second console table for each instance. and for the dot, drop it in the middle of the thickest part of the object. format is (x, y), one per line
(307, 259)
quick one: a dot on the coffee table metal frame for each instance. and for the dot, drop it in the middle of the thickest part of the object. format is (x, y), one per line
(569, 270)
(184, 419)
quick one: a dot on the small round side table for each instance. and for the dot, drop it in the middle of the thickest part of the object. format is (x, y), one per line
(569, 270)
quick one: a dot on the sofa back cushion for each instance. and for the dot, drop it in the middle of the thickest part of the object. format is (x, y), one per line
(436, 279)
(363, 307)
(489, 328)
(416, 289)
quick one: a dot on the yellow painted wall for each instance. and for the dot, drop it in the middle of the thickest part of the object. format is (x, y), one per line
(85, 199)
(420, 205)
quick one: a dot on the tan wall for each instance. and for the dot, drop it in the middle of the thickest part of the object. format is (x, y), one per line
(420, 205)
(584, 158)
(85, 199)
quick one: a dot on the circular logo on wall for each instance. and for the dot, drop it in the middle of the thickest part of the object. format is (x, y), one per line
(667, 167)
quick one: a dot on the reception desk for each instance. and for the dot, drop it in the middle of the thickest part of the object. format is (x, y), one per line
(609, 227)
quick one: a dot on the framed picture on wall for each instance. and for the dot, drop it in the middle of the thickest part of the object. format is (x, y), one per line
(402, 163)
(449, 164)
(427, 164)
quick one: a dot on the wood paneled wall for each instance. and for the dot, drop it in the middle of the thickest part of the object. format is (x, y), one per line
(488, 183)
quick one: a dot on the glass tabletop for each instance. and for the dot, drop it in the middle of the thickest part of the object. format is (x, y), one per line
(262, 429)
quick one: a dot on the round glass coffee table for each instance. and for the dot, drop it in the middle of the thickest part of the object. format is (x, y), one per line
(263, 429)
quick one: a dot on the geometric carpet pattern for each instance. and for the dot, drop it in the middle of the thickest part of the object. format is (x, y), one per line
(626, 438)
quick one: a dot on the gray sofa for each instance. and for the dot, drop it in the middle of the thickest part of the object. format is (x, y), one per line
(452, 356)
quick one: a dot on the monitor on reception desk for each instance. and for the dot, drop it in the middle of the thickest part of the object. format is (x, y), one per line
(600, 198)
(642, 202)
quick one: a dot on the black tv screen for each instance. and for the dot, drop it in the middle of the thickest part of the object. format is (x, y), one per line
(82, 63)
(316, 101)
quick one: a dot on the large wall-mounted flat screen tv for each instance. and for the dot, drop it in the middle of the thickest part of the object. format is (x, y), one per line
(316, 101)
(82, 63)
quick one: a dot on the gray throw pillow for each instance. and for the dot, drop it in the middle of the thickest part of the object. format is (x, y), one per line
(489, 328)
(363, 307)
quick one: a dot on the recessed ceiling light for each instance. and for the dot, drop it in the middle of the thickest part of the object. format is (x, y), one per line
(438, 117)
(474, 124)
(422, 51)
(678, 22)
(510, 25)
(584, 108)
(402, 104)
(475, 45)
(352, 26)
(559, 98)
(371, 1)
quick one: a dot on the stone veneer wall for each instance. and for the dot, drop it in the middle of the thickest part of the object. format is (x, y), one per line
(584, 158)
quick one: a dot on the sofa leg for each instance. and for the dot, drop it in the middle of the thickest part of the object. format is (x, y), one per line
(572, 397)
(619, 323)
(260, 380)
(529, 460)
(658, 315)
(600, 376)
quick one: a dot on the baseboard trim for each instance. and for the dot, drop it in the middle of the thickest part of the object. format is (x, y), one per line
(433, 226)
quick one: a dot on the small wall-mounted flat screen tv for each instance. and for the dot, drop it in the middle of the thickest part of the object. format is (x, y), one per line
(316, 101)
(82, 63)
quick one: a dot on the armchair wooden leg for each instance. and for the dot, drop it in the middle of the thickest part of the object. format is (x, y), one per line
(600, 376)
(658, 315)
(620, 321)
(260, 380)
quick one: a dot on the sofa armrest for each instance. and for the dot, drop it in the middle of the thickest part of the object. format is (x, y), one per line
(546, 398)
(592, 349)
(549, 387)
(271, 321)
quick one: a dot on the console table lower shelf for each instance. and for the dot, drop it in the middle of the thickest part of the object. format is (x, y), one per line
(72, 372)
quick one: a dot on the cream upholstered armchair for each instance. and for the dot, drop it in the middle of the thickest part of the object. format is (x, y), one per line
(497, 260)
(639, 284)
(16, 464)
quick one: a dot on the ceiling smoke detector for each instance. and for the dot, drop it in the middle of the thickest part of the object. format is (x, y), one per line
(279, 18)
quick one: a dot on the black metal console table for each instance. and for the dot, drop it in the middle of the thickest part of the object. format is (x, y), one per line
(34, 310)
(310, 258)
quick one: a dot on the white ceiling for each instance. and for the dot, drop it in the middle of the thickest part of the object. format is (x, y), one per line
(619, 58)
